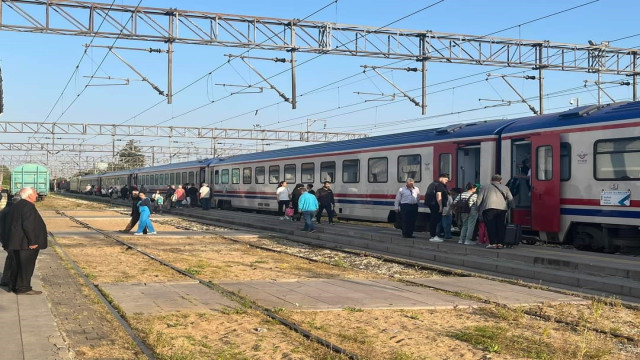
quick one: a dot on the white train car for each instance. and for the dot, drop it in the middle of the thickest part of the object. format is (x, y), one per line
(161, 176)
(585, 169)
(365, 173)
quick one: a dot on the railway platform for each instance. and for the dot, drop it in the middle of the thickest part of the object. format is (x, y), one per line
(600, 274)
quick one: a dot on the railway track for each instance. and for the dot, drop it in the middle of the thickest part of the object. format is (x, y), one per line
(531, 313)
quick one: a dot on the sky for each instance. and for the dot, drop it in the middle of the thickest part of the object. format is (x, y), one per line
(36, 68)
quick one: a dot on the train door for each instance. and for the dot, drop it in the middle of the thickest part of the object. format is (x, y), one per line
(520, 183)
(444, 161)
(545, 182)
(203, 176)
(468, 160)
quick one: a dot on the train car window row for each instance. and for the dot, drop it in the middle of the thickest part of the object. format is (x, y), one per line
(224, 176)
(351, 171)
(409, 167)
(246, 175)
(378, 170)
(260, 175)
(290, 173)
(617, 159)
(328, 171)
(235, 176)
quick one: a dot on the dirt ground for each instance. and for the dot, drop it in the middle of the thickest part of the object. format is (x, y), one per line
(489, 332)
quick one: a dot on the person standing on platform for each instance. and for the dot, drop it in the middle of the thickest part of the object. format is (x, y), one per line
(124, 192)
(24, 234)
(326, 201)
(144, 208)
(283, 197)
(181, 195)
(9, 261)
(192, 193)
(308, 206)
(436, 199)
(205, 196)
(494, 201)
(466, 205)
(406, 204)
(168, 201)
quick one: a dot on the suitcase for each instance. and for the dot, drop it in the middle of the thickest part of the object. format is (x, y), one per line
(512, 235)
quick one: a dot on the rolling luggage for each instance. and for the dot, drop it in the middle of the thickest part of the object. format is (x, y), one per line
(512, 235)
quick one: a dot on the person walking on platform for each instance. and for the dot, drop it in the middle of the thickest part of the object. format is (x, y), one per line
(406, 205)
(24, 234)
(466, 207)
(295, 196)
(9, 260)
(494, 201)
(135, 212)
(436, 199)
(144, 208)
(168, 201)
(326, 201)
(283, 198)
(308, 206)
(124, 192)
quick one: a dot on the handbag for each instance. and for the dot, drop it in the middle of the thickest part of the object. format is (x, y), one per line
(174, 197)
(288, 212)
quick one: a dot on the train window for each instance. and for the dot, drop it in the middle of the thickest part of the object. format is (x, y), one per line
(197, 182)
(274, 174)
(235, 176)
(306, 172)
(290, 173)
(246, 175)
(216, 177)
(184, 177)
(328, 171)
(445, 164)
(224, 178)
(191, 178)
(544, 159)
(617, 159)
(409, 167)
(351, 171)
(260, 175)
(378, 170)
(156, 179)
(565, 161)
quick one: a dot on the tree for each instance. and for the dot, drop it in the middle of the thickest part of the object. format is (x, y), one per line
(129, 157)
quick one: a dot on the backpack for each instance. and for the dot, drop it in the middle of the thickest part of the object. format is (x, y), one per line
(462, 206)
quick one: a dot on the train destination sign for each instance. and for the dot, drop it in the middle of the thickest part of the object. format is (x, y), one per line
(615, 197)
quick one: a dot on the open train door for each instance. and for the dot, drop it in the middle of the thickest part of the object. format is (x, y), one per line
(545, 182)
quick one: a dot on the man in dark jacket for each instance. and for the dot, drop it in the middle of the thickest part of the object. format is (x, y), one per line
(167, 199)
(135, 213)
(9, 261)
(24, 234)
(124, 192)
(325, 201)
(192, 193)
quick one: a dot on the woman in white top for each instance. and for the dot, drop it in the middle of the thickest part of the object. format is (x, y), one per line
(466, 205)
(282, 196)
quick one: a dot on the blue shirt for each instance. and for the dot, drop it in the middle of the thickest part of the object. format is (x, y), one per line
(307, 202)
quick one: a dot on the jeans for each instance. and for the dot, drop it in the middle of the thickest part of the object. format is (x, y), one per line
(445, 226)
(206, 203)
(308, 220)
(468, 225)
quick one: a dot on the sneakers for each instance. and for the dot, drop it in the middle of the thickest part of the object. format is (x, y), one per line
(491, 246)
(470, 243)
(460, 242)
(436, 239)
(312, 231)
(138, 234)
(281, 217)
(152, 233)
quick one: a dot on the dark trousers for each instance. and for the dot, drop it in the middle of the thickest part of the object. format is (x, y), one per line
(25, 264)
(9, 264)
(132, 223)
(494, 220)
(322, 207)
(282, 204)
(434, 219)
(409, 215)
(206, 203)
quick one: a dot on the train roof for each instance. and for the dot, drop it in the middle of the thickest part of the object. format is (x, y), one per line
(180, 165)
(118, 173)
(480, 129)
(583, 115)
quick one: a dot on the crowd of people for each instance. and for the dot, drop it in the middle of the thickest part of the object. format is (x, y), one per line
(304, 202)
(478, 211)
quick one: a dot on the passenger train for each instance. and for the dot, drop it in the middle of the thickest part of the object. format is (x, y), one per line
(583, 186)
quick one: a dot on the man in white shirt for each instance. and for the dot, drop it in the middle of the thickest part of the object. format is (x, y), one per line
(407, 205)
(205, 196)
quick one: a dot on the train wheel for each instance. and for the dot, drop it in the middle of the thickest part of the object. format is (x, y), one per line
(588, 237)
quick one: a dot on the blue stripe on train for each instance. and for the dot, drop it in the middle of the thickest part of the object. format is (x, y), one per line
(600, 212)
